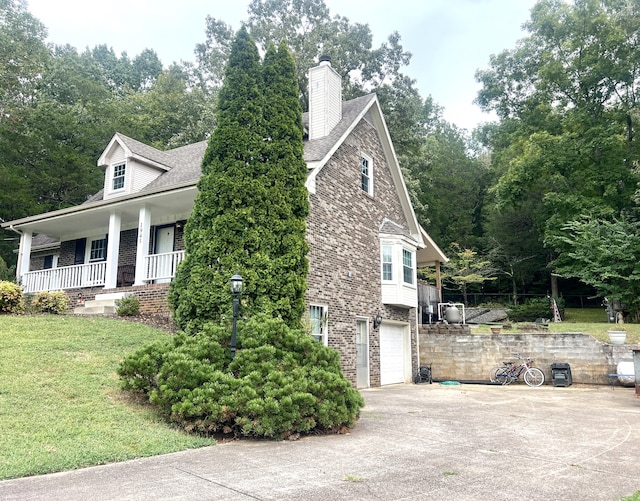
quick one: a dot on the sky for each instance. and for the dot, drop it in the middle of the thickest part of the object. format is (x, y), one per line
(449, 39)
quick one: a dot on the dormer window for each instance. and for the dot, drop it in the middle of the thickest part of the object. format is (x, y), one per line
(119, 171)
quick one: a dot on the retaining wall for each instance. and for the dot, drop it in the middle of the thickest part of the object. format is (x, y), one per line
(465, 356)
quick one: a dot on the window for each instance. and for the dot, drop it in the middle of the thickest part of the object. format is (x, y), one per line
(118, 176)
(366, 174)
(318, 321)
(387, 262)
(407, 266)
(98, 250)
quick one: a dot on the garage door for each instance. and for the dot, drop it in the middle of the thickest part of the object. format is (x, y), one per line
(392, 354)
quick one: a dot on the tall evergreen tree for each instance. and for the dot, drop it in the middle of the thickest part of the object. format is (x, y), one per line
(287, 171)
(250, 211)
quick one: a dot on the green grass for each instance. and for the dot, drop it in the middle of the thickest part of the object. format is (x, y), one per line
(592, 321)
(61, 406)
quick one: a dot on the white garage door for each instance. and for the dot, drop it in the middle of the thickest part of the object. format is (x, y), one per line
(392, 354)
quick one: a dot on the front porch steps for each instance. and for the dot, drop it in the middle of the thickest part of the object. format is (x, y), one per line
(103, 304)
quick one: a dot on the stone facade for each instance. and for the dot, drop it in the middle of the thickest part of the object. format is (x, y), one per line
(344, 257)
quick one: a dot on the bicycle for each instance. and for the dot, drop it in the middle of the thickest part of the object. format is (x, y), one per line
(511, 371)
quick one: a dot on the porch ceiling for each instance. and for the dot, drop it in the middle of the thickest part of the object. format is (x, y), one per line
(93, 218)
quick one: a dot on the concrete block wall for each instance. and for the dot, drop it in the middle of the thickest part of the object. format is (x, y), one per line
(471, 356)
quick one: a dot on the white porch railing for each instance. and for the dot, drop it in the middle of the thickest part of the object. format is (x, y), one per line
(66, 277)
(162, 266)
(158, 267)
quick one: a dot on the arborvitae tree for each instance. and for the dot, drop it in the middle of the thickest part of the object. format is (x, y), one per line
(288, 202)
(249, 216)
(223, 233)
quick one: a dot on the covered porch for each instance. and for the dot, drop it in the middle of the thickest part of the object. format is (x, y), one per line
(156, 268)
(121, 242)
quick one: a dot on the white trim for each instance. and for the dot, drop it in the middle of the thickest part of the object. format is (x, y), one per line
(142, 244)
(368, 345)
(113, 248)
(324, 326)
(370, 171)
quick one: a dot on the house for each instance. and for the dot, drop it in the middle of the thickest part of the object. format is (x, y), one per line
(365, 240)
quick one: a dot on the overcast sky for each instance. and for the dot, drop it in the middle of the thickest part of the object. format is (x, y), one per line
(449, 39)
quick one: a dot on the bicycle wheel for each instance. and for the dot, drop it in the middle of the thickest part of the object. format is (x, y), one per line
(502, 375)
(492, 373)
(533, 376)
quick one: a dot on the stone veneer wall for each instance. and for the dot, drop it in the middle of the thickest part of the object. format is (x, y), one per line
(344, 257)
(464, 356)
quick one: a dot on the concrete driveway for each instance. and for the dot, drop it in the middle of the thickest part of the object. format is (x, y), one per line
(413, 442)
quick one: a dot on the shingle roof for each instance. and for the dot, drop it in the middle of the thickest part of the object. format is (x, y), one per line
(146, 151)
(186, 166)
(389, 227)
(184, 163)
(318, 148)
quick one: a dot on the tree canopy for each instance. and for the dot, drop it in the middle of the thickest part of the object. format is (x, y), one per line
(564, 147)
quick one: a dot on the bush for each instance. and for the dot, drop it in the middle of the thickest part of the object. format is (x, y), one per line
(281, 381)
(11, 300)
(128, 306)
(533, 309)
(50, 302)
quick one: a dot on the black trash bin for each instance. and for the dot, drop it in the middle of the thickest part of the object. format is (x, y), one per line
(561, 374)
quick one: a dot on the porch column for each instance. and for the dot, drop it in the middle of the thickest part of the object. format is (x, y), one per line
(24, 255)
(438, 281)
(113, 247)
(142, 248)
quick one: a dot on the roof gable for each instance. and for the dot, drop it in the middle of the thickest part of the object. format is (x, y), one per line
(181, 167)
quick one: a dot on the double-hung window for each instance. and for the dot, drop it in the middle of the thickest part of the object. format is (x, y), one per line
(387, 262)
(98, 251)
(366, 174)
(407, 266)
(318, 321)
(119, 171)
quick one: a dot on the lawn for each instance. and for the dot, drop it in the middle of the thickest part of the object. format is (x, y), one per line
(61, 406)
(591, 321)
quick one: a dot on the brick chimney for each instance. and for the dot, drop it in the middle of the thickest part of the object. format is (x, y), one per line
(325, 99)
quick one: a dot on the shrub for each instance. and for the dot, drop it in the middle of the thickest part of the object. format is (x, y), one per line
(281, 381)
(11, 300)
(128, 306)
(50, 302)
(533, 309)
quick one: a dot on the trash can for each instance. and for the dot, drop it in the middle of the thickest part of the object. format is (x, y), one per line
(561, 374)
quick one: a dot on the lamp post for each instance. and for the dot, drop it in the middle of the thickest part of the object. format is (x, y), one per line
(236, 290)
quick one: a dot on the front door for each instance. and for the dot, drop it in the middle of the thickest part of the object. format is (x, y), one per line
(164, 242)
(362, 353)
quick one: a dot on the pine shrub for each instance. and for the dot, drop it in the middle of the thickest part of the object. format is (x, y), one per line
(128, 306)
(56, 302)
(281, 381)
(11, 300)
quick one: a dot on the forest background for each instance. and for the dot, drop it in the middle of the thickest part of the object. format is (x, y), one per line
(543, 201)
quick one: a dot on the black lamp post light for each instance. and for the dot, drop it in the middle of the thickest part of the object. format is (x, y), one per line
(236, 290)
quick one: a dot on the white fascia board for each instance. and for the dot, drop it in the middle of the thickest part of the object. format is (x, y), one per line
(102, 161)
